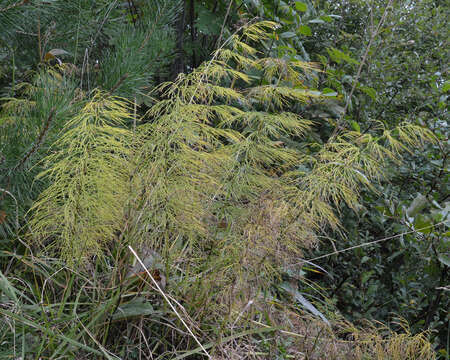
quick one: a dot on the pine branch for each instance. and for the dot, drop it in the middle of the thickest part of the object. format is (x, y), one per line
(38, 142)
(118, 83)
(33, 150)
(12, 6)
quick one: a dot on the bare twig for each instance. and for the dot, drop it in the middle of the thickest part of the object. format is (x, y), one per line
(374, 34)
(17, 4)
(118, 83)
(224, 22)
(376, 241)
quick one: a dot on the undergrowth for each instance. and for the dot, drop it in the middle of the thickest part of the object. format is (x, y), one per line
(219, 187)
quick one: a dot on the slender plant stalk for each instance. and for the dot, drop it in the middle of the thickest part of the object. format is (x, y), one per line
(39, 35)
(378, 241)
(224, 23)
(168, 301)
(374, 34)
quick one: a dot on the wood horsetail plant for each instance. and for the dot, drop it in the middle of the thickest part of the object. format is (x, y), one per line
(88, 170)
(221, 177)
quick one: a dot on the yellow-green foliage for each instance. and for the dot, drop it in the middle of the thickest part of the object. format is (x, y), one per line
(211, 156)
(353, 159)
(217, 174)
(89, 173)
(216, 183)
(379, 342)
(220, 182)
(371, 340)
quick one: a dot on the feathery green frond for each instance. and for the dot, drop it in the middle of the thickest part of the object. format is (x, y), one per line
(89, 174)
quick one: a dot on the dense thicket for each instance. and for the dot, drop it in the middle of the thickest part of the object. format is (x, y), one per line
(241, 179)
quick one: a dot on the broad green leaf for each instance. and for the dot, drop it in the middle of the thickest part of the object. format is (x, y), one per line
(312, 93)
(288, 35)
(305, 30)
(417, 205)
(303, 302)
(329, 92)
(316, 21)
(336, 109)
(446, 86)
(136, 307)
(436, 216)
(366, 276)
(370, 91)
(286, 49)
(355, 126)
(394, 255)
(301, 6)
(423, 224)
(326, 18)
(444, 259)
(339, 56)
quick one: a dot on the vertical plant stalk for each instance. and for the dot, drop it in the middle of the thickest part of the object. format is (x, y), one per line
(192, 24)
(178, 66)
(168, 301)
(374, 34)
(224, 23)
(39, 34)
